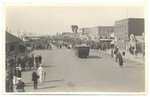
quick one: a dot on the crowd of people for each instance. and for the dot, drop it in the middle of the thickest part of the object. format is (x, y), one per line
(121, 56)
(39, 44)
(118, 56)
(93, 45)
(15, 65)
(20, 62)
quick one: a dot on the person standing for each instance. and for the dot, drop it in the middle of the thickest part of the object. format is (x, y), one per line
(132, 51)
(112, 54)
(35, 79)
(115, 52)
(29, 62)
(9, 82)
(117, 55)
(20, 86)
(136, 53)
(23, 63)
(121, 61)
(19, 74)
(33, 60)
(123, 54)
(14, 76)
(40, 71)
(40, 59)
(37, 61)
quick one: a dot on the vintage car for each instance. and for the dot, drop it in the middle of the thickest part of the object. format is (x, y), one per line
(82, 51)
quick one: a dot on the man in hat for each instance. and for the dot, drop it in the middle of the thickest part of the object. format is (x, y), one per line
(35, 78)
(14, 76)
(20, 86)
(32, 57)
(41, 71)
(121, 61)
(9, 82)
(40, 59)
(37, 61)
(18, 72)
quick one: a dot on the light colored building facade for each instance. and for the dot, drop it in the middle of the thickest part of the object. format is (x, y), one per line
(105, 31)
(98, 31)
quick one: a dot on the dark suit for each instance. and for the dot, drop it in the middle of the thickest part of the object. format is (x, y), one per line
(19, 73)
(35, 79)
(121, 62)
(20, 86)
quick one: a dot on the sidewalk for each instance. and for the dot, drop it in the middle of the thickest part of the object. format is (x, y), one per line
(138, 59)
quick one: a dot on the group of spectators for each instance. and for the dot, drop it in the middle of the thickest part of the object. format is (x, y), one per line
(58, 44)
(133, 51)
(93, 45)
(100, 46)
(13, 80)
(118, 56)
(15, 65)
(39, 44)
(20, 60)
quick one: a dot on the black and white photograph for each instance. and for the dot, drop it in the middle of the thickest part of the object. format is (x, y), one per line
(66, 48)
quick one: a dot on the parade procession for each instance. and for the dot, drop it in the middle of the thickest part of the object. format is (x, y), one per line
(88, 57)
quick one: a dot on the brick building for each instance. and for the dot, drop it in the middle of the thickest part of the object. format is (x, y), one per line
(124, 28)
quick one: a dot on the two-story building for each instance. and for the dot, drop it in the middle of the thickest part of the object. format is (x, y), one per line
(124, 28)
(98, 31)
(105, 31)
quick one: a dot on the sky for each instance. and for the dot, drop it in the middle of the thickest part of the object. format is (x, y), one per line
(48, 20)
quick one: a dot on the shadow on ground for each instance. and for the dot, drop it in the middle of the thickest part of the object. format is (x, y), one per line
(53, 81)
(93, 57)
(49, 87)
(47, 66)
(31, 83)
(129, 66)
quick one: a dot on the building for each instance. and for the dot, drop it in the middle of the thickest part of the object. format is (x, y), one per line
(98, 31)
(124, 28)
(105, 31)
(12, 44)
